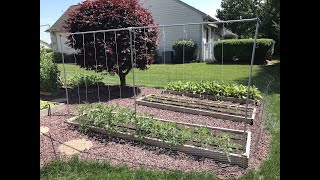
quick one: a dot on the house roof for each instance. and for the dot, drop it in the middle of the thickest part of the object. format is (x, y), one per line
(44, 43)
(58, 25)
(205, 16)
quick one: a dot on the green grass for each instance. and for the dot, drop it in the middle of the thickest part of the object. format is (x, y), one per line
(269, 170)
(89, 170)
(161, 75)
(45, 104)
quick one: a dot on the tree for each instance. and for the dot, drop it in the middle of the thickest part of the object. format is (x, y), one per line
(237, 9)
(267, 10)
(111, 51)
(270, 18)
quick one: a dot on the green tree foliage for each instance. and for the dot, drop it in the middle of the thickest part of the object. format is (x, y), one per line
(112, 14)
(267, 10)
(49, 73)
(237, 9)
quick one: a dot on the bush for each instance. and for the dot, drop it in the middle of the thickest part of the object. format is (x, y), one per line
(215, 88)
(48, 50)
(49, 73)
(68, 58)
(82, 79)
(240, 50)
(189, 50)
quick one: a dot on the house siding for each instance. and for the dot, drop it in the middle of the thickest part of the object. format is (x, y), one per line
(166, 12)
(65, 48)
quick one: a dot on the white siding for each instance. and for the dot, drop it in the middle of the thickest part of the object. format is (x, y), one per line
(65, 48)
(166, 12)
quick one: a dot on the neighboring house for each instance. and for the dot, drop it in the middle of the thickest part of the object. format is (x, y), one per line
(44, 44)
(164, 12)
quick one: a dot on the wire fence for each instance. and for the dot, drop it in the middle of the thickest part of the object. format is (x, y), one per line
(129, 47)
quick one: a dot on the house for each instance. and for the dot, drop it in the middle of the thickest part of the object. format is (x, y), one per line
(164, 12)
(44, 44)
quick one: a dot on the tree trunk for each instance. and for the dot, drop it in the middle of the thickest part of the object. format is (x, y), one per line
(122, 79)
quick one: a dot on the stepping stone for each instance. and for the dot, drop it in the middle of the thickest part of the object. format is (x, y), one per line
(44, 129)
(74, 146)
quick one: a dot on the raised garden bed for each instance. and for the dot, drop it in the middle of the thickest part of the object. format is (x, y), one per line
(129, 129)
(55, 106)
(217, 109)
(210, 97)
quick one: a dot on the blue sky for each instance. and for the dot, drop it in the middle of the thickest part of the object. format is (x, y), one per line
(51, 10)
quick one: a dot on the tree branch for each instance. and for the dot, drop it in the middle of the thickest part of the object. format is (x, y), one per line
(127, 72)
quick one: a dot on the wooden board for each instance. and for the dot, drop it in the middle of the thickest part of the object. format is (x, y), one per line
(236, 159)
(211, 97)
(219, 115)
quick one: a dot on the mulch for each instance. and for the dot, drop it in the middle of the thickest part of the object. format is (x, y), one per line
(134, 154)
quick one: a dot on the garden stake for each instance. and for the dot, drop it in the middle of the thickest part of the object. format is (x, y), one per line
(84, 63)
(75, 63)
(132, 63)
(95, 57)
(105, 52)
(54, 151)
(115, 39)
(249, 83)
(49, 110)
(65, 78)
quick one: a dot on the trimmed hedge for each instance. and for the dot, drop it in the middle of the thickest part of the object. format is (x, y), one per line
(49, 73)
(68, 58)
(240, 50)
(189, 50)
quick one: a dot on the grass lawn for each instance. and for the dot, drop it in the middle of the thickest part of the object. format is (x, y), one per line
(270, 169)
(46, 104)
(159, 75)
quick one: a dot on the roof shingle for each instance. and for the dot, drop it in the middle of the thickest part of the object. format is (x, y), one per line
(58, 25)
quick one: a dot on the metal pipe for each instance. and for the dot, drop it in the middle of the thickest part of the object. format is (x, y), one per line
(65, 76)
(45, 25)
(133, 66)
(158, 26)
(250, 77)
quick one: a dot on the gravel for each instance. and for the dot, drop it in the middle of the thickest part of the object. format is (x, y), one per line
(135, 154)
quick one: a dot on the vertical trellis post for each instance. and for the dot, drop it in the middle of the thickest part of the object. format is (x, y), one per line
(133, 66)
(65, 76)
(250, 77)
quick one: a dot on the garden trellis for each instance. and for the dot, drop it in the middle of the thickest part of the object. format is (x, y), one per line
(133, 59)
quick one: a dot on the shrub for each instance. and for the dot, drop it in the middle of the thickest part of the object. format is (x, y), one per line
(82, 79)
(189, 50)
(240, 50)
(215, 88)
(47, 50)
(68, 58)
(49, 73)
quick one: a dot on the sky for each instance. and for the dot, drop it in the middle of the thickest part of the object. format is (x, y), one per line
(51, 10)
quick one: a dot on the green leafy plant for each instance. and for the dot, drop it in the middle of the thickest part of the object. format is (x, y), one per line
(46, 104)
(83, 79)
(215, 88)
(118, 119)
(49, 73)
